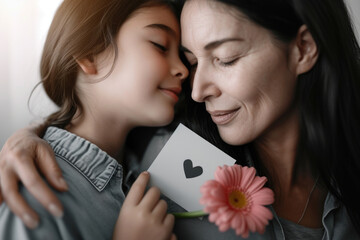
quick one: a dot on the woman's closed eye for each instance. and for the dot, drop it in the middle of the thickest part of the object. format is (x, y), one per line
(193, 65)
(227, 62)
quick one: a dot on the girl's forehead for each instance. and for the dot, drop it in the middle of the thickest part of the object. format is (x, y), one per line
(154, 10)
(154, 14)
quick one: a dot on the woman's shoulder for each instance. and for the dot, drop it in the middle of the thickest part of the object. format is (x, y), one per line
(336, 220)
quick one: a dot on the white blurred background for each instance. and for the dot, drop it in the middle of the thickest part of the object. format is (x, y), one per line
(23, 27)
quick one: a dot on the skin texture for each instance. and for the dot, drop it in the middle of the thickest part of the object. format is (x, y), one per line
(247, 80)
(140, 88)
(148, 100)
(247, 83)
(117, 96)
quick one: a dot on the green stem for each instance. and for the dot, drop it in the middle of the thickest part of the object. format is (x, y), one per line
(193, 214)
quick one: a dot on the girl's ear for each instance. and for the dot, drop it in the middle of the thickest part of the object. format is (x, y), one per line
(87, 65)
(305, 51)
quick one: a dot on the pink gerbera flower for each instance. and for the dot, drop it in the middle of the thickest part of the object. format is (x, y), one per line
(237, 199)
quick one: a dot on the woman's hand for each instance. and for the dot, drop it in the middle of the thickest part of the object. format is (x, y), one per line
(22, 156)
(143, 215)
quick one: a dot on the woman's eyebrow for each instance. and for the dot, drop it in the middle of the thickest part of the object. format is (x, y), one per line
(162, 27)
(217, 43)
(214, 44)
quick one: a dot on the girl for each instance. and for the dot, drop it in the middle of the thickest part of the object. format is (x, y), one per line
(110, 66)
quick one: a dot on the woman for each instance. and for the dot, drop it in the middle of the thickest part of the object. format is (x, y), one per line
(280, 81)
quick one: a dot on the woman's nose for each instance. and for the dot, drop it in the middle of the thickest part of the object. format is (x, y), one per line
(203, 85)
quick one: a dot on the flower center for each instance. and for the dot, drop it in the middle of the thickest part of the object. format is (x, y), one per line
(237, 199)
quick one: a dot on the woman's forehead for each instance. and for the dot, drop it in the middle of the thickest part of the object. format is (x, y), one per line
(205, 13)
(203, 7)
(203, 22)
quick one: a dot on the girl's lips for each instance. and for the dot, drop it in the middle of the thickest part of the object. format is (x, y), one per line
(172, 92)
(223, 117)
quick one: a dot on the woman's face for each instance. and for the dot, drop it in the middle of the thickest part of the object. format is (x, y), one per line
(146, 79)
(238, 71)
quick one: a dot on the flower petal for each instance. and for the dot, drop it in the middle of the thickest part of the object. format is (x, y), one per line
(213, 216)
(257, 184)
(226, 216)
(248, 175)
(262, 213)
(224, 227)
(209, 185)
(241, 227)
(218, 198)
(226, 177)
(238, 221)
(245, 234)
(264, 196)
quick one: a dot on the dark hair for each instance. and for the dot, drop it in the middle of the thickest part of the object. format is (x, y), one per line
(81, 29)
(328, 96)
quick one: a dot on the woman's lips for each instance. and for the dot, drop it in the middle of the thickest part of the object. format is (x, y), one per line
(223, 117)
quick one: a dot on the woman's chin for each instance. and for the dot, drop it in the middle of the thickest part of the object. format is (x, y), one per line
(234, 138)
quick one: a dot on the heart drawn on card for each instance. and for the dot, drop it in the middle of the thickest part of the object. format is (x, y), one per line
(190, 171)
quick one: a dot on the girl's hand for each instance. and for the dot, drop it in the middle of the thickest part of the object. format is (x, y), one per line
(143, 215)
(22, 156)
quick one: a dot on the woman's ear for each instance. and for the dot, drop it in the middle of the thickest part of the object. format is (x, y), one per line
(305, 51)
(87, 65)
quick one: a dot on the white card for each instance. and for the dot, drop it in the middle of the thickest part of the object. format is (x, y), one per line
(185, 163)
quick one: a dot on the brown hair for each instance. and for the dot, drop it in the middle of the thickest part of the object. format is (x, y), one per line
(80, 29)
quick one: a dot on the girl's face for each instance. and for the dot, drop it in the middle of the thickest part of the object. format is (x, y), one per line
(244, 78)
(146, 79)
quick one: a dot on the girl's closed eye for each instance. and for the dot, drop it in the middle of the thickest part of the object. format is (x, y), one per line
(160, 46)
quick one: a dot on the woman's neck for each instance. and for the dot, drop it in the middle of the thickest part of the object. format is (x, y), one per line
(298, 196)
(277, 148)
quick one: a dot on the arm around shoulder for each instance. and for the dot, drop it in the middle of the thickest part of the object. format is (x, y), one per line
(22, 156)
(12, 227)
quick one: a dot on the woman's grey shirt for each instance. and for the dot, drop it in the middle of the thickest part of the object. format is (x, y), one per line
(336, 222)
(92, 204)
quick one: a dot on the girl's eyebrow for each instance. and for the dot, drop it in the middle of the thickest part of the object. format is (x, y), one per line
(214, 44)
(163, 27)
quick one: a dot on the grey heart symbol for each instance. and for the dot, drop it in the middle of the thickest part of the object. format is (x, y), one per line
(190, 171)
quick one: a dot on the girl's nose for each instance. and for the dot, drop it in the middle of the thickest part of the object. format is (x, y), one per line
(180, 70)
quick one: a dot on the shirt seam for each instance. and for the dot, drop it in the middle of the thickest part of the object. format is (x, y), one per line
(99, 189)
